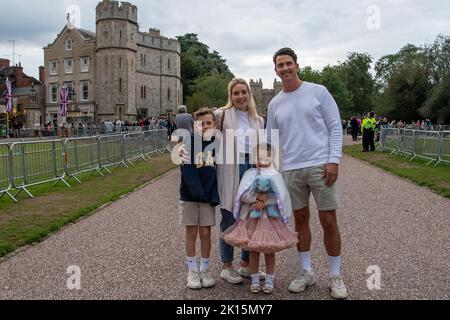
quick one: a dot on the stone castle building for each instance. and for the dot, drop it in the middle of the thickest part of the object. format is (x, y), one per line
(264, 96)
(118, 72)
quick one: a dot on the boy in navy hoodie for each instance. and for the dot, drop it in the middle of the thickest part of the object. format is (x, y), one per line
(200, 195)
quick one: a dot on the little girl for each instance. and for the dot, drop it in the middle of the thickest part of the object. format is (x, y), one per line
(262, 232)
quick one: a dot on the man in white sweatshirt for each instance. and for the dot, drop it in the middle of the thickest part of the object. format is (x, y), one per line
(309, 124)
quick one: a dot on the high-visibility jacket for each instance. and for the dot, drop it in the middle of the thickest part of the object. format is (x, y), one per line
(369, 124)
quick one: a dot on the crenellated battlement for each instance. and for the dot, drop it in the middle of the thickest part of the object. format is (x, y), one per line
(108, 9)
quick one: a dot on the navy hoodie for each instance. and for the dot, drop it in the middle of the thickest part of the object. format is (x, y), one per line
(198, 179)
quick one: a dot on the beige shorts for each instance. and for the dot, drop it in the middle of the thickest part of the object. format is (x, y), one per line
(198, 214)
(302, 182)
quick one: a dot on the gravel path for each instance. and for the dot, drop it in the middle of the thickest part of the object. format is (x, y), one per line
(134, 248)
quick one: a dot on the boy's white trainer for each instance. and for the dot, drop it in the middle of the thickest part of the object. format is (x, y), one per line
(207, 280)
(230, 275)
(194, 281)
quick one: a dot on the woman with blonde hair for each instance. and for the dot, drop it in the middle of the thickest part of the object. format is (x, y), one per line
(239, 113)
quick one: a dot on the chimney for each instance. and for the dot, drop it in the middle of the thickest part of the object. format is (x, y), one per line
(42, 74)
(4, 63)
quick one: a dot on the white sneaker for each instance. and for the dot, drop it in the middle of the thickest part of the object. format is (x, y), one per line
(338, 289)
(194, 281)
(207, 280)
(230, 275)
(303, 281)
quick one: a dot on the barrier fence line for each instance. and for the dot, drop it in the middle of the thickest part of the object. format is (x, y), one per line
(433, 146)
(5, 172)
(80, 156)
(444, 148)
(26, 164)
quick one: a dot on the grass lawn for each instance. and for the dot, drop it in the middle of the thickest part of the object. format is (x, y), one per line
(31, 220)
(437, 179)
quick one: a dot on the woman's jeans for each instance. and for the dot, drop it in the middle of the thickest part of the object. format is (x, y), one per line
(227, 251)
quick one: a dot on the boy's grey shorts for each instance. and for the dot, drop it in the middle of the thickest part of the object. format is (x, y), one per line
(302, 182)
(198, 214)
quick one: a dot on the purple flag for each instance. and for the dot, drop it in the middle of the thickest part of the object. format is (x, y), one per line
(9, 97)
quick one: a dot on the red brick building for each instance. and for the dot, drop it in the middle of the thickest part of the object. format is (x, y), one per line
(28, 96)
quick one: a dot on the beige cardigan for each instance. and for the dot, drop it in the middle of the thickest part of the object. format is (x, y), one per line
(228, 174)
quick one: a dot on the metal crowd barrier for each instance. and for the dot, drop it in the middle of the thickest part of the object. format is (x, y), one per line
(81, 155)
(444, 150)
(36, 163)
(433, 146)
(26, 164)
(149, 143)
(390, 139)
(428, 145)
(111, 152)
(5, 172)
(407, 142)
(133, 149)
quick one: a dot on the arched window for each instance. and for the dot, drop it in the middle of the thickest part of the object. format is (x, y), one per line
(69, 44)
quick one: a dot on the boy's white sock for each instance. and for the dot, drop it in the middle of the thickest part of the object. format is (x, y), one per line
(255, 278)
(204, 264)
(305, 261)
(335, 266)
(192, 264)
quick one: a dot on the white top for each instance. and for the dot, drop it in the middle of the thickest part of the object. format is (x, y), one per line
(244, 124)
(310, 127)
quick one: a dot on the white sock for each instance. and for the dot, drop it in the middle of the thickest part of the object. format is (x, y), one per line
(204, 264)
(305, 261)
(269, 279)
(192, 264)
(335, 266)
(255, 278)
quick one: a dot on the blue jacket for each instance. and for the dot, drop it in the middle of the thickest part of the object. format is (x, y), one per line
(198, 179)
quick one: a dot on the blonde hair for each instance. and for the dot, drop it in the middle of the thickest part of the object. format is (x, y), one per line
(251, 106)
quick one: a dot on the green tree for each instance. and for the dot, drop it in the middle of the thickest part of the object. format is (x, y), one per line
(355, 73)
(198, 62)
(437, 106)
(209, 91)
(402, 83)
(331, 78)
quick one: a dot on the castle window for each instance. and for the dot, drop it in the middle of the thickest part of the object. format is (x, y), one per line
(143, 92)
(54, 92)
(69, 44)
(53, 66)
(120, 63)
(84, 90)
(120, 35)
(84, 64)
(168, 94)
(120, 85)
(68, 66)
(168, 64)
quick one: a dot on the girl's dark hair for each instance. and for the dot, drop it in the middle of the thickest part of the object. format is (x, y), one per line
(285, 52)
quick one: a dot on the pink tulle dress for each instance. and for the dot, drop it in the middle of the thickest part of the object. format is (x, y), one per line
(264, 234)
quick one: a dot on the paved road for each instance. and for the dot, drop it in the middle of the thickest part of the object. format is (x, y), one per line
(133, 249)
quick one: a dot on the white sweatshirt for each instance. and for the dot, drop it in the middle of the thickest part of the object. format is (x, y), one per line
(310, 127)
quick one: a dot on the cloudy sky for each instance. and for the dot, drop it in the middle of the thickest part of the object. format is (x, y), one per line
(246, 32)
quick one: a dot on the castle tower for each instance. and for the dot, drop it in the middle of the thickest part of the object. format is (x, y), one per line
(277, 87)
(116, 48)
(257, 88)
